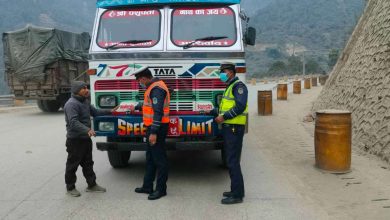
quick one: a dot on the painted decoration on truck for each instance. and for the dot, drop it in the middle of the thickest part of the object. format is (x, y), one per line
(178, 126)
(115, 3)
(188, 70)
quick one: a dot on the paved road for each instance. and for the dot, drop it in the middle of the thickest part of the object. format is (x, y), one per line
(32, 159)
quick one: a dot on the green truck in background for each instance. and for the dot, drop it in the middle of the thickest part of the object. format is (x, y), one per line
(40, 64)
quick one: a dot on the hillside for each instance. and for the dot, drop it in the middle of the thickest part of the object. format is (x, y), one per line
(320, 24)
(298, 25)
(252, 6)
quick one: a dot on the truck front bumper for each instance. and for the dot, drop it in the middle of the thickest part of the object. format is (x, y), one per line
(170, 145)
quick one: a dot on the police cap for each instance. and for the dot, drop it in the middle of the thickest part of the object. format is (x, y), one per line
(227, 65)
(144, 72)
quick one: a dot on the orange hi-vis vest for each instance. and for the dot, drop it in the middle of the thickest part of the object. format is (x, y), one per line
(147, 107)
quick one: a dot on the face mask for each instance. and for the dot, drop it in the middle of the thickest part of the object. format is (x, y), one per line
(142, 85)
(223, 77)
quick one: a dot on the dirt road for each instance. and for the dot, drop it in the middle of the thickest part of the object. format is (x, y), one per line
(288, 145)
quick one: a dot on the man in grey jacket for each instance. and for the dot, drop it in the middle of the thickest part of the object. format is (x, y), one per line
(78, 112)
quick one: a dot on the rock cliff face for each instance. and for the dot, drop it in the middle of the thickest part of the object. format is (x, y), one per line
(360, 81)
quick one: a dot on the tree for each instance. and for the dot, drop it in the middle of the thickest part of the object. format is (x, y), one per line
(278, 68)
(333, 57)
(294, 65)
(273, 53)
(313, 67)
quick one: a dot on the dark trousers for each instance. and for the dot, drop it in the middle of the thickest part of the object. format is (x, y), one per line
(79, 153)
(233, 136)
(156, 161)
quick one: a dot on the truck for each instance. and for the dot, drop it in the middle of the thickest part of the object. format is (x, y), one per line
(183, 43)
(40, 64)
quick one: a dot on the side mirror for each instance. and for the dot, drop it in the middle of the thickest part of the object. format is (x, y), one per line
(250, 36)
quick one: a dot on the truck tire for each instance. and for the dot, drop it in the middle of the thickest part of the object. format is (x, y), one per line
(119, 159)
(52, 105)
(42, 106)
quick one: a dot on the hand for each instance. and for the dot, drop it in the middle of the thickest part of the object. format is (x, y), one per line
(91, 133)
(132, 108)
(152, 139)
(219, 119)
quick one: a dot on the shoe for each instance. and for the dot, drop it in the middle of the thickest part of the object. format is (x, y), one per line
(143, 190)
(74, 192)
(156, 195)
(231, 200)
(229, 194)
(96, 188)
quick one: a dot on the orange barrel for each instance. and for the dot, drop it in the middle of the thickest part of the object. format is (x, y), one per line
(264, 102)
(314, 81)
(333, 133)
(307, 83)
(282, 91)
(323, 79)
(297, 85)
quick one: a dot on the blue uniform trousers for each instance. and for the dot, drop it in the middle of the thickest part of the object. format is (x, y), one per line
(156, 161)
(233, 136)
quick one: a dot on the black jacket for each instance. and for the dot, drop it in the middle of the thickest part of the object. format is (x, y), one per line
(78, 112)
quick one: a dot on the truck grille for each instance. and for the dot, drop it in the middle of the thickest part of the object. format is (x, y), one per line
(185, 91)
(116, 84)
(180, 84)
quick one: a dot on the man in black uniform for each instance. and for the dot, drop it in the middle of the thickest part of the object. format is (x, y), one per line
(78, 112)
(232, 114)
(155, 109)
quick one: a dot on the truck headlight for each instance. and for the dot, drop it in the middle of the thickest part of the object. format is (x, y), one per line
(107, 101)
(106, 126)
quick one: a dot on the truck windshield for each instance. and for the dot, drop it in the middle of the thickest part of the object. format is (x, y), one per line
(191, 23)
(141, 25)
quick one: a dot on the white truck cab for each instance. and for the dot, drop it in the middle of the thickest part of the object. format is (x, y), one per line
(183, 42)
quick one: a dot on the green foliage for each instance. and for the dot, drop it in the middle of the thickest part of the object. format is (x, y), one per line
(315, 25)
(279, 68)
(273, 53)
(295, 65)
(312, 67)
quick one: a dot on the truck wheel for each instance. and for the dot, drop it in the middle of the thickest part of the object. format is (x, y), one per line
(52, 105)
(42, 106)
(223, 158)
(118, 159)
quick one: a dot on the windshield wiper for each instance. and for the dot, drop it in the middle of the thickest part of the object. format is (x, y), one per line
(210, 38)
(126, 42)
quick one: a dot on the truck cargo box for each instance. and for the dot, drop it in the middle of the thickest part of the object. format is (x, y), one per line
(40, 63)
